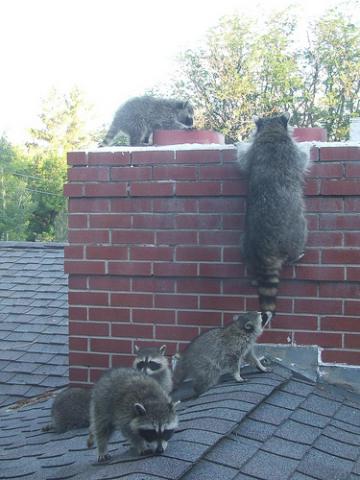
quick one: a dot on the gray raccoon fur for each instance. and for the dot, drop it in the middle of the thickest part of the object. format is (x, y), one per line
(140, 116)
(130, 401)
(221, 350)
(153, 362)
(70, 409)
(275, 224)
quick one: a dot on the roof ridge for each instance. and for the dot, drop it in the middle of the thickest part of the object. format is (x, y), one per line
(38, 245)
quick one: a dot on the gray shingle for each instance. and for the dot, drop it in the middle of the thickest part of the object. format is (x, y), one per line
(206, 470)
(348, 415)
(287, 448)
(232, 452)
(318, 404)
(304, 434)
(337, 448)
(285, 399)
(268, 466)
(323, 466)
(255, 430)
(309, 418)
(270, 414)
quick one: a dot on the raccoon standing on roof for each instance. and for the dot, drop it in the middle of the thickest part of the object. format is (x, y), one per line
(130, 401)
(70, 409)
(221, 350)
(275, 224)
(153, 362)
(140, 116)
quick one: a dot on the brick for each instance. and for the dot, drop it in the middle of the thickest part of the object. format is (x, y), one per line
(238, 286)
(311, 256)
(312, 186)
(294, 322)
(229, 155)
(95, 374)
(175, 269)
(152, 189)
(77, 221)
(353, 274)
(198, 254)
(131, 330)
(197, 188)
(219, 270)
(221, 172)
(275, 336)
(222, 238)
(83, 267)
(231, 187)
(122, 205)
(176, 237)
(167, 172)
(153, 221)
(77, 158)
(340, 187)
(232, 254)
(77, 313)
(89, 329)
(211, 319)
(198, 156)
(156, 157)
(284, 305)
(351, 307)
(232, 222)
(198, 221)
(327, 170)
(222, 205)
(109, 283)
(132, 299)
(132, 237)
(131, 173)
(352, 204)
(352, 169)
(73, 190)
(341, 356)
(88, 174)
(87, 205)
(198, 285)
(319, 273)
(341, 324)
(175, 332)
(108, 158)
(77, 282)
(88, 298)
(121, 361)
(106, 190)
(223, 302)
(341, 256)
(110, 345)
(129, 268)
(109, 314)
(73, 251)
(112, 220)
(88, 360)
(175, 205)
(339, 153)
(78, 374)
(319, 204)
(352, 239)
(325, 239)
(318, 306)
(352, 341)
(78, 344)
(106, 252)
(175, 301)
(318, 338)
(88, 236)
(153, 285)
(153, 316)
(151, 253)
(340, 290)
(296, 288)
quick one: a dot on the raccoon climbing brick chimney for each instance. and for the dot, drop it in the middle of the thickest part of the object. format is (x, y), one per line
(154, 254)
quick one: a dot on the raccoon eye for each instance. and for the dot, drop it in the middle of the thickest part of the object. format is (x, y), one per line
(167, 434)
(154, 366)
(140, 365)
(148, 435)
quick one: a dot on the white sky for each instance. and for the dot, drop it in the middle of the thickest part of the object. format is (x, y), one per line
(111, 49)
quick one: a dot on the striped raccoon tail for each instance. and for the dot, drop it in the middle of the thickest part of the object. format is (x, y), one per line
(268, 286)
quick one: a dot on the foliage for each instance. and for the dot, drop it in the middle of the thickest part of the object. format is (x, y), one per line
(250, 67)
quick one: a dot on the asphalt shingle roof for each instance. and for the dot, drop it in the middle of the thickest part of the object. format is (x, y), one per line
(33, 320)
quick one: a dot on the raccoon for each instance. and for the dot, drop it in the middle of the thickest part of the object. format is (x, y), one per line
(153, 362)
(130, 401)
(275, 225)
(70, 410)
(140, 116)
(221, 350)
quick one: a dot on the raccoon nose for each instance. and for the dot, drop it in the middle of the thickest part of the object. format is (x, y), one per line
(159, 450)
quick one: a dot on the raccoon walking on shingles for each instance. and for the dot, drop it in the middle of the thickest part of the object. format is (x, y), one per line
(70, 409)
(275, 224)
(140, 116)
(130, 401)
(153, 362)
(221, 350)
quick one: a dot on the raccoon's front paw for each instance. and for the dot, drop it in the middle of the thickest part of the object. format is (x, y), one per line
(239, 378)
(104, 458)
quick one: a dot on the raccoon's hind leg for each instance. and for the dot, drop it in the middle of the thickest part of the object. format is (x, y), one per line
(204, 380)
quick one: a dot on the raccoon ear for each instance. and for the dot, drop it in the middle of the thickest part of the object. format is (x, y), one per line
(162, 349)
(249, 327)
(236, 317)
(136, 348)
(139, 409)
